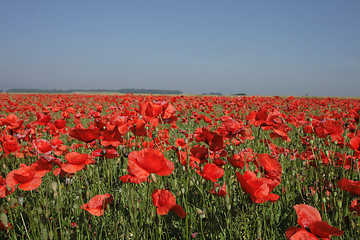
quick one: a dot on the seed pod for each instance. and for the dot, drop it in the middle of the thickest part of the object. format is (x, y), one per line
(4, 219)
(51, 234)
(316, 197)
(200, 213)
(44, 232)
(339, 203)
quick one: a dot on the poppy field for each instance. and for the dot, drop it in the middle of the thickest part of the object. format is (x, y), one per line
(129, 166)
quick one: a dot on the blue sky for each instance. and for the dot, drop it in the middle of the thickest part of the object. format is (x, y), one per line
(256, 47)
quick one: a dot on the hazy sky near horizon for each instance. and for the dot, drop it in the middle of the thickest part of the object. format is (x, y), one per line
(196, 46)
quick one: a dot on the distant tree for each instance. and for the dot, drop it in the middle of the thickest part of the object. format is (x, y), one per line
(125, 90)
(213, 93)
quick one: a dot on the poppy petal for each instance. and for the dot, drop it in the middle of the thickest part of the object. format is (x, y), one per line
(296, 233)
(31, 185)
(306, 215)
(163, 210)
(179, 211)
(324, 230)
(71, 168)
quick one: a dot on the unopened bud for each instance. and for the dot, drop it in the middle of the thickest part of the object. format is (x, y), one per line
(153, 178)
(200, 213)
(4, 219)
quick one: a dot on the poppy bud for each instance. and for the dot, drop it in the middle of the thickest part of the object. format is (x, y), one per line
(88, 193)
(51, 234)
(21, 200)
(44, 233)
(316, 197)
(200, 213)
(352, 224)
(4, 219)
(227, 201)
(54, 186)
(259, 230)
(153, 178)
(339, 203)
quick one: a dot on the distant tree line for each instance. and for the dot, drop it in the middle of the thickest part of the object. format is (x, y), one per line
(124, 90)
(213, 93)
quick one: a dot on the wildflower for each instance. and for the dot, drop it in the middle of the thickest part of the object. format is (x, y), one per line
(76, 162)
(165, 201)
(85, 135)
(97, 204)
(212, 172)
(26, 177)
(146, 161)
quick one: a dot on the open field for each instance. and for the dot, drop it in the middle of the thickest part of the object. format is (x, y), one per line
(116, 166)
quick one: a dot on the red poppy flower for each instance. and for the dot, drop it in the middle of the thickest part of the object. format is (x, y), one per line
(26, 177)
(107, 153)
(60, 123)
(310, 218)
(165, 201)
(150, 109)
(131, 178)
(258, 188)
(168, 111)
(355, 207)
(231, 126)
(74, 225)
(12, 122)
(262, 118)
(218, 190)
(10, 144)
(148, 160)
(42, 119)
(97, 204)
(212, 172)
(43, 146)
(183, 159)
(138, 127)
(239, 160)
(85, 135)
(111, 137)
(355, 143)
(271, 166)
(121, 122)
(76, 162)
(281, 132)
(180, 142)
(200, 152)
(44, 164)
(215, 141)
